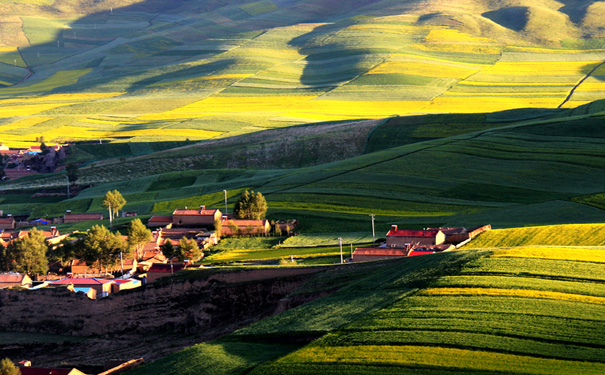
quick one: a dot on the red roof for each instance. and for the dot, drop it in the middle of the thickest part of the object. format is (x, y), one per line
(420, 252)
(412, 233)
(380, 251)
(160, 219)
(197, 212)
(82, 281)
(166, 267)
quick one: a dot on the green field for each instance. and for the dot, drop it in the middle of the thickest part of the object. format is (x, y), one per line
(437, 314)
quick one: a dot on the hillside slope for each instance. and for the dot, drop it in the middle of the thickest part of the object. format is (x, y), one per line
(148, 71)
(462, 312)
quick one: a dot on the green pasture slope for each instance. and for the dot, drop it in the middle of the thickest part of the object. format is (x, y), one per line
(520, 172)
(472, 311)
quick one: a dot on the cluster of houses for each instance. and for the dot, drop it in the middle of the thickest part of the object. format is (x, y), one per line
(407, 243)
(19, 160)
(200, 225)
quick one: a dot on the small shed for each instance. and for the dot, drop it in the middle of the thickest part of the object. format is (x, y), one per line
(14, 279)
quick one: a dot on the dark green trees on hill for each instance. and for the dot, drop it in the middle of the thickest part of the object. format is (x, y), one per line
(250, 206)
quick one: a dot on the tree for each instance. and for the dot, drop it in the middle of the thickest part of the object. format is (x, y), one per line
(189, 250)
(250, 206)
(100, 245)
(28, 254)
(138, 236)
(7, 367)
(72, 173)
(218, 228)
(168, 249)
(5, 261)
(113, 201)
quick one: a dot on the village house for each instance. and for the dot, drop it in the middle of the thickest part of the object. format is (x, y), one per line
(102, 286)
(159, 221)
(158, 270)
(405, 243)
(7, 223)
(70, 217)
(198, 217)
(8, 280)
(400, 238)
(124, 284)
(245, 227)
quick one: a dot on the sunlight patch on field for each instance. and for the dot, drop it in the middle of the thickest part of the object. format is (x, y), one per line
(422, 69)
(561, 253)
(59, 79)
(24, 123)
(28, 110)
(477, 104)
(524, 293)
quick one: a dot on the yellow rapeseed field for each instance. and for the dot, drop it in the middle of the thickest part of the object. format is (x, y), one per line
(525, 293)
(438, 357)
(61, 78)
(24, 123)
(542, 68)
(563, 253)
(28, 110)
(423, 69)
(479, 103)
(444, 35)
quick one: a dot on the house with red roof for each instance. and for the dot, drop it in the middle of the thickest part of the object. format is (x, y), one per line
(76, 218)
(236, 227)
(400, 238)
(159, 221)
(197, 217)
(7, 223)
(102, 286)
(14, 279)
(158, 270)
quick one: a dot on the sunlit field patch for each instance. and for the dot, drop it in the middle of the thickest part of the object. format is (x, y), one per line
(546, 252)
(423, 69)
(61, 78)
(488, 104)
(523, 293)
(27, 110)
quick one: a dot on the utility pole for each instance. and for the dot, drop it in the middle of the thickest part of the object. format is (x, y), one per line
(225, 191)
(340, 243)
(373, 232)
(121, 264)
(68, 195)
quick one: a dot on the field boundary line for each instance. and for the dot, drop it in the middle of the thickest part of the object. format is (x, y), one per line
(573, 90)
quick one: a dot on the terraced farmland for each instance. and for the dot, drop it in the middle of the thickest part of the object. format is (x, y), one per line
(191, 71)
(443, 313)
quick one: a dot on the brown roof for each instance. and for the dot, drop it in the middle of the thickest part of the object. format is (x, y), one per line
(7, 220)
(83, 216)
(380, 251)
(412, 233)
(198, 212)
(11, 277)
(160, 219)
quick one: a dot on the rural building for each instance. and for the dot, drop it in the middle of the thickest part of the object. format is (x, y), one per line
(199, 217)
(158, 270)
(14, 279)
(367, 254)
(76, 218)
(102, 286)
(159, 221)
(89, 292)
(7, 223)
(79, 267)
(245, 227)
(123, 284)
(400, 238)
